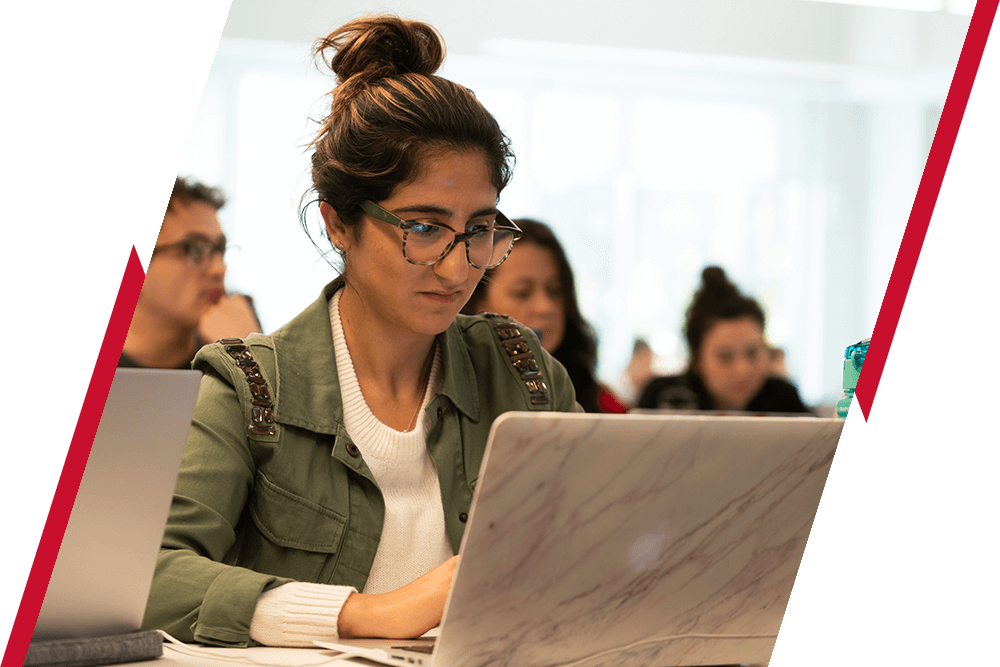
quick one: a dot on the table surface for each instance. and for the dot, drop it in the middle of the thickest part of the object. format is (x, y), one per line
(207, 656)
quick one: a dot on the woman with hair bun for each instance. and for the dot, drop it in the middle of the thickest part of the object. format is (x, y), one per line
(330, 466)
(729, 358)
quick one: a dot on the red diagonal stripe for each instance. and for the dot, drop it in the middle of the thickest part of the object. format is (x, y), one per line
(76, 461)
(923, 205)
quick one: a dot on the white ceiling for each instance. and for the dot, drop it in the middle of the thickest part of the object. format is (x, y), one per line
(786, 30)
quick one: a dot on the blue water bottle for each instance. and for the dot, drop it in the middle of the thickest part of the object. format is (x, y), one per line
(854, 357)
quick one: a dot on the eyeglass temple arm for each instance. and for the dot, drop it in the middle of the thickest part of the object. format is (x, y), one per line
(376, 211)
(507, 223)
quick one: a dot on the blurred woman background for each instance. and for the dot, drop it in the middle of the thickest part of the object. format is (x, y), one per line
(730, 362)
(535, 286)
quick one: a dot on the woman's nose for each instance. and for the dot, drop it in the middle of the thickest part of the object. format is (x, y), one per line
(454, 267)
(544, 303)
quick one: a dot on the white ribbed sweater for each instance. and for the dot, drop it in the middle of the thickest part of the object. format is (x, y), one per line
(413, 536)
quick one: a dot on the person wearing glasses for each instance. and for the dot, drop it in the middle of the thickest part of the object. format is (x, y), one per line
(331, 465)
(183, 302)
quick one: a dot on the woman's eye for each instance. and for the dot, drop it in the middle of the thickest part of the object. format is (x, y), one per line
(725, 357)
(425, 229)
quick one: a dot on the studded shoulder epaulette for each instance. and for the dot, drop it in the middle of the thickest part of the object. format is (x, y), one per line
(262, 411)
(522, 358)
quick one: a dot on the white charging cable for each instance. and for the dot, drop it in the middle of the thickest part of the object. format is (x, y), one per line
(178, 646)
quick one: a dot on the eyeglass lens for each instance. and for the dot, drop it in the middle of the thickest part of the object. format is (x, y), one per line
(201, 251)
(425, 243)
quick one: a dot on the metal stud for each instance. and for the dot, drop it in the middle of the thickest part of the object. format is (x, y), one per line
(522, 358)
(262, 412)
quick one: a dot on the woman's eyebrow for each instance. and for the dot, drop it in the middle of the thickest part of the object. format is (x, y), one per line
(443, 212)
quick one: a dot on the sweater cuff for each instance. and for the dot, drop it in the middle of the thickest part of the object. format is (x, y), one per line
(297, 613)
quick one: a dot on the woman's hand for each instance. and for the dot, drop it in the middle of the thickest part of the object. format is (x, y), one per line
(404, 613)
(232, 317)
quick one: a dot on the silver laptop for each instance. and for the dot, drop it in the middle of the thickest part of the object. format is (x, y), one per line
(629, 540)
(102, 574)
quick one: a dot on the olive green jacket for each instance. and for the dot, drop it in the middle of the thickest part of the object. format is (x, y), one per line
(271, 488)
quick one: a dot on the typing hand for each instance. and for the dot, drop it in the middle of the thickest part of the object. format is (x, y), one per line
(404, 613)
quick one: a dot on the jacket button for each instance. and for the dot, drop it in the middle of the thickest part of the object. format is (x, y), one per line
(352, 449)
(463, 517)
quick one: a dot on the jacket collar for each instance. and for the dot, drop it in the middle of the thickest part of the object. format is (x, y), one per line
(306, 379)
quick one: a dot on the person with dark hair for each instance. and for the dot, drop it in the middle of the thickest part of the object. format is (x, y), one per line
(184, 280)
(729, 358)
(183, 303)
(330, 467)
(638, 371)
(535, 286)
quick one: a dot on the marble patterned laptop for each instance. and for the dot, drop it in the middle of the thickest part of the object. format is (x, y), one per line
(631, 540)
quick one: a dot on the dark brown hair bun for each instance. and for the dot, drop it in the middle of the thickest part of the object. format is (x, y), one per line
(715, 284)
(390, 114)
(717, 299)
(377, 47)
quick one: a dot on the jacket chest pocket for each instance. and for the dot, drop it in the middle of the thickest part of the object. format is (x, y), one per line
(290, 536)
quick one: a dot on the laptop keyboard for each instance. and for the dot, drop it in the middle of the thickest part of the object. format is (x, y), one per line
(415, 649)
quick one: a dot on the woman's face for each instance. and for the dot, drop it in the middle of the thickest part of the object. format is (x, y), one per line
(389, 293)
(528, 288)
(733, 362)
(176, 292)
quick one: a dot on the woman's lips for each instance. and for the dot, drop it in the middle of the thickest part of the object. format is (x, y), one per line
(442, 297)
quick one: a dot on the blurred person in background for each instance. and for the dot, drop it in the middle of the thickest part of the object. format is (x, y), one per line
(535, 286)
(637, 373)
(730, 362)
(183, 303)
(233, 316)
(777, 366)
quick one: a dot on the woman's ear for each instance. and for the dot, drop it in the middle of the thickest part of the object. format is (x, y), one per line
(335, 228)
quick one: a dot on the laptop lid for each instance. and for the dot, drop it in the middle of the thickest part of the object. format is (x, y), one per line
(719, 413)
(634, 539)
(103, 572)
